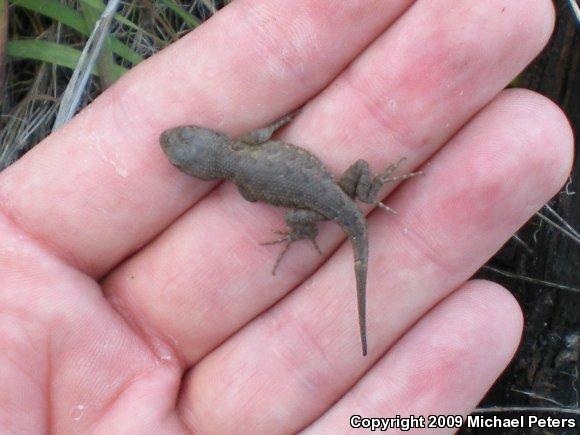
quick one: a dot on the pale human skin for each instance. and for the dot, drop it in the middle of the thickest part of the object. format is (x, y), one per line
(118, 273)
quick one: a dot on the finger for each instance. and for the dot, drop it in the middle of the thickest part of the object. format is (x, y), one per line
(68, 362)
(304, 353)
(442, 366)
(100, 187)
(209, 269)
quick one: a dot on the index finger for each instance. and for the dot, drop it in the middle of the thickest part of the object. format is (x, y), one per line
(99, 188)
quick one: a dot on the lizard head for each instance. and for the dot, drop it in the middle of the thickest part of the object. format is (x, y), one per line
(197, 151)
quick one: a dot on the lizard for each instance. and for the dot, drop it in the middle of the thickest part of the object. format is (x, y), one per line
(286, 175)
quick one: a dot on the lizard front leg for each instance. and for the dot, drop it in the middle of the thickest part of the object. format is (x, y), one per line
(262, 135)
(356, 182)
(301, 224)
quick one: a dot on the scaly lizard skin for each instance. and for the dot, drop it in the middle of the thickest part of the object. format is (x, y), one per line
(288, 176)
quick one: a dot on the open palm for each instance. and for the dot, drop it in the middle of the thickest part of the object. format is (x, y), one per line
(135, 299)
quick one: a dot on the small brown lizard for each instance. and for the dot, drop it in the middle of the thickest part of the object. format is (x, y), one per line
(288, 176)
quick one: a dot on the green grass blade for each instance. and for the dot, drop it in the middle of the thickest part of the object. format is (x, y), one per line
(192, 21)
(98, 5)
(57, 11)
(50, 52)
(125, 52)
(73, 19)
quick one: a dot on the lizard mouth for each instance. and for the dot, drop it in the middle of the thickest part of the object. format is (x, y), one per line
(169, 146)
(165, 140)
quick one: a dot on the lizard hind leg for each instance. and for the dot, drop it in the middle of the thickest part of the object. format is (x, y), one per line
(358, 183)
(301, 224)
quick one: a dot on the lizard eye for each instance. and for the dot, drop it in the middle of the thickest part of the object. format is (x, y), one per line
(186, 133)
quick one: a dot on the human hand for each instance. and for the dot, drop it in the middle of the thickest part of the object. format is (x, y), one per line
(135, 299)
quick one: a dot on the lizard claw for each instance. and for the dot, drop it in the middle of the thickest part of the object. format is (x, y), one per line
(385, 176)
(288, 238)
(386, 208)
(285, 238)
(402, 177)
(316, 246)
(280, 255)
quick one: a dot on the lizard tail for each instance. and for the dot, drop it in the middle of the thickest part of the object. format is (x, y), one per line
(360, 271)
(357, 233)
